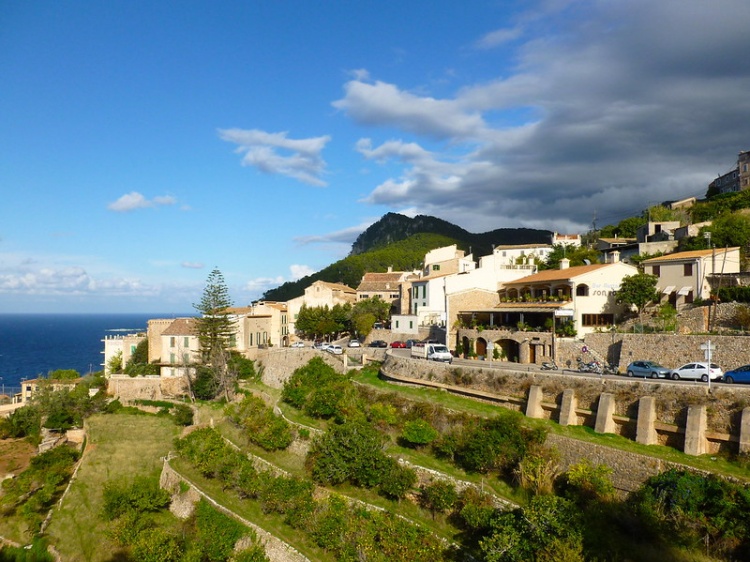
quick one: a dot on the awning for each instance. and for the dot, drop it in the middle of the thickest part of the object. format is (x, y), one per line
(684, 291)
(668, 290)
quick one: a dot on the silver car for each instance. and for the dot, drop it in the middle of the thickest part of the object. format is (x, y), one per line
(698, 371)
(648, 369)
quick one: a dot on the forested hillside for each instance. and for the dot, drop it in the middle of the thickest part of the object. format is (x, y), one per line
(405, 255)
(401, 242)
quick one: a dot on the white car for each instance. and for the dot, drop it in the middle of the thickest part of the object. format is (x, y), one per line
(298, 344)
(335, 349)
(698, 371)
(354, 343)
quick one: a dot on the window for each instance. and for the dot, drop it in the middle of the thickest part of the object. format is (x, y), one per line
(396, 324)
(172, 341)
(185, 358)
(582, 290)
(436, 267)
(250, 340)
(598, 319)
(186, 342)
(172, 358)
(687, 270)
(424, 291)
(689, 297)
(656, 270)
(411, 324)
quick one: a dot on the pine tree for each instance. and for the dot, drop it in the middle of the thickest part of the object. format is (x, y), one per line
(216, 330)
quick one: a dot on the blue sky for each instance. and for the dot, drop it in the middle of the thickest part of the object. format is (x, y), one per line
(142, 144)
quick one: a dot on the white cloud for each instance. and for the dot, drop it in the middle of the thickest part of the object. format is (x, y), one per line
(344, 236)
(192, 265)
(134, 200)
(383, 104)
(499, 37)
(256, 287)
(299, 271)
(274, 153)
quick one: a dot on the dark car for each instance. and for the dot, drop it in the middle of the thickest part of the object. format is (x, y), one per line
(648, 369)
(740, 375)
(378, 343)
(410, 343)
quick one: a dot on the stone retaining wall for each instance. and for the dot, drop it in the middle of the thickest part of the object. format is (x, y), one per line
(127, 388)
(183, 504)
(670, 350)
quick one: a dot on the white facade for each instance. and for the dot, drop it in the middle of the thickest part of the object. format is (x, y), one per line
(587, 292)
(124, 345)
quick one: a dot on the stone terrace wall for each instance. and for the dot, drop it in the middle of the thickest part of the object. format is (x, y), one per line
(278, 364)
(670, 350)
(127, 388)
(724, 403)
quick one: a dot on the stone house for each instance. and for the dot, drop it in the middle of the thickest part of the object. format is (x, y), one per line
(320, 293)
(387, 286)
(683, 276)
(180, 348)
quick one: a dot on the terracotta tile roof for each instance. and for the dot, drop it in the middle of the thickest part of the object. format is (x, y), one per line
(521, 246)
(337, 286)
(181, 327)
(618, 240)
(380, 282)
(557, 274)
(692, 255)
(238, 310)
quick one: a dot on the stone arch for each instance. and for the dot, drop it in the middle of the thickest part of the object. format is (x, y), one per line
(582, 290)
(481, 347)
(510, 349)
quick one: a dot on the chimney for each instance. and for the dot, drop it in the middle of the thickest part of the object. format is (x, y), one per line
(390, 269)
(615, 256)
(564, 263)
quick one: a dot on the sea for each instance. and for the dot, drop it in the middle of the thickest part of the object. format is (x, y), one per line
(32, 345)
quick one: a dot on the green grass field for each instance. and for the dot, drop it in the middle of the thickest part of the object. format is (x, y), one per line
(119, 448)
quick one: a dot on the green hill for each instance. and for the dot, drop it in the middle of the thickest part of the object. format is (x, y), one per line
(404, 255)
(401, 242)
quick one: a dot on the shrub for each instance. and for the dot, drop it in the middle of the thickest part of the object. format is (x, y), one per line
(438, 496)
(418, 433)
(183, 414)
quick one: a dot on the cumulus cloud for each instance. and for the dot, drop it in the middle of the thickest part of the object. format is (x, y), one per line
(499, 37)
(134, 200)
(299, 271)
(605, 111)
(275, 153)
(344, 236)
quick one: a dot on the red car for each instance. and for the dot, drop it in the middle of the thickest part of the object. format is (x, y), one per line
(398, 344)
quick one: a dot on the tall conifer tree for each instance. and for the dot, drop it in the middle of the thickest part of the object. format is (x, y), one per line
(215, 329)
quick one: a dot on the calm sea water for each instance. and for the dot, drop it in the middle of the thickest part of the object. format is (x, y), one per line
(34, 344)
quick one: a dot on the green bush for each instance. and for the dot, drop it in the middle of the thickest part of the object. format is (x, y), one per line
(142, 496)
(418, 433)
(183, 415)
(261, 425)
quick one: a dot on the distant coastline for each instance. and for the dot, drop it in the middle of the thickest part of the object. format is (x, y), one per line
(35, 343)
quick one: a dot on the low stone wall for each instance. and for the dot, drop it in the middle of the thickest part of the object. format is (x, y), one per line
(724, 404)
(277, 364)
(668, 349)
(127, 388)
(183, 504)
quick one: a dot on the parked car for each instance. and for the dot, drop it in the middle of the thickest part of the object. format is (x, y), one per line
(298, 344)
(410, 343)
(322, 345)
(378, 343)
(698, 371)
(648, 369)
(335, 349)
(354, 343)
(740, 375)
(398, 344)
